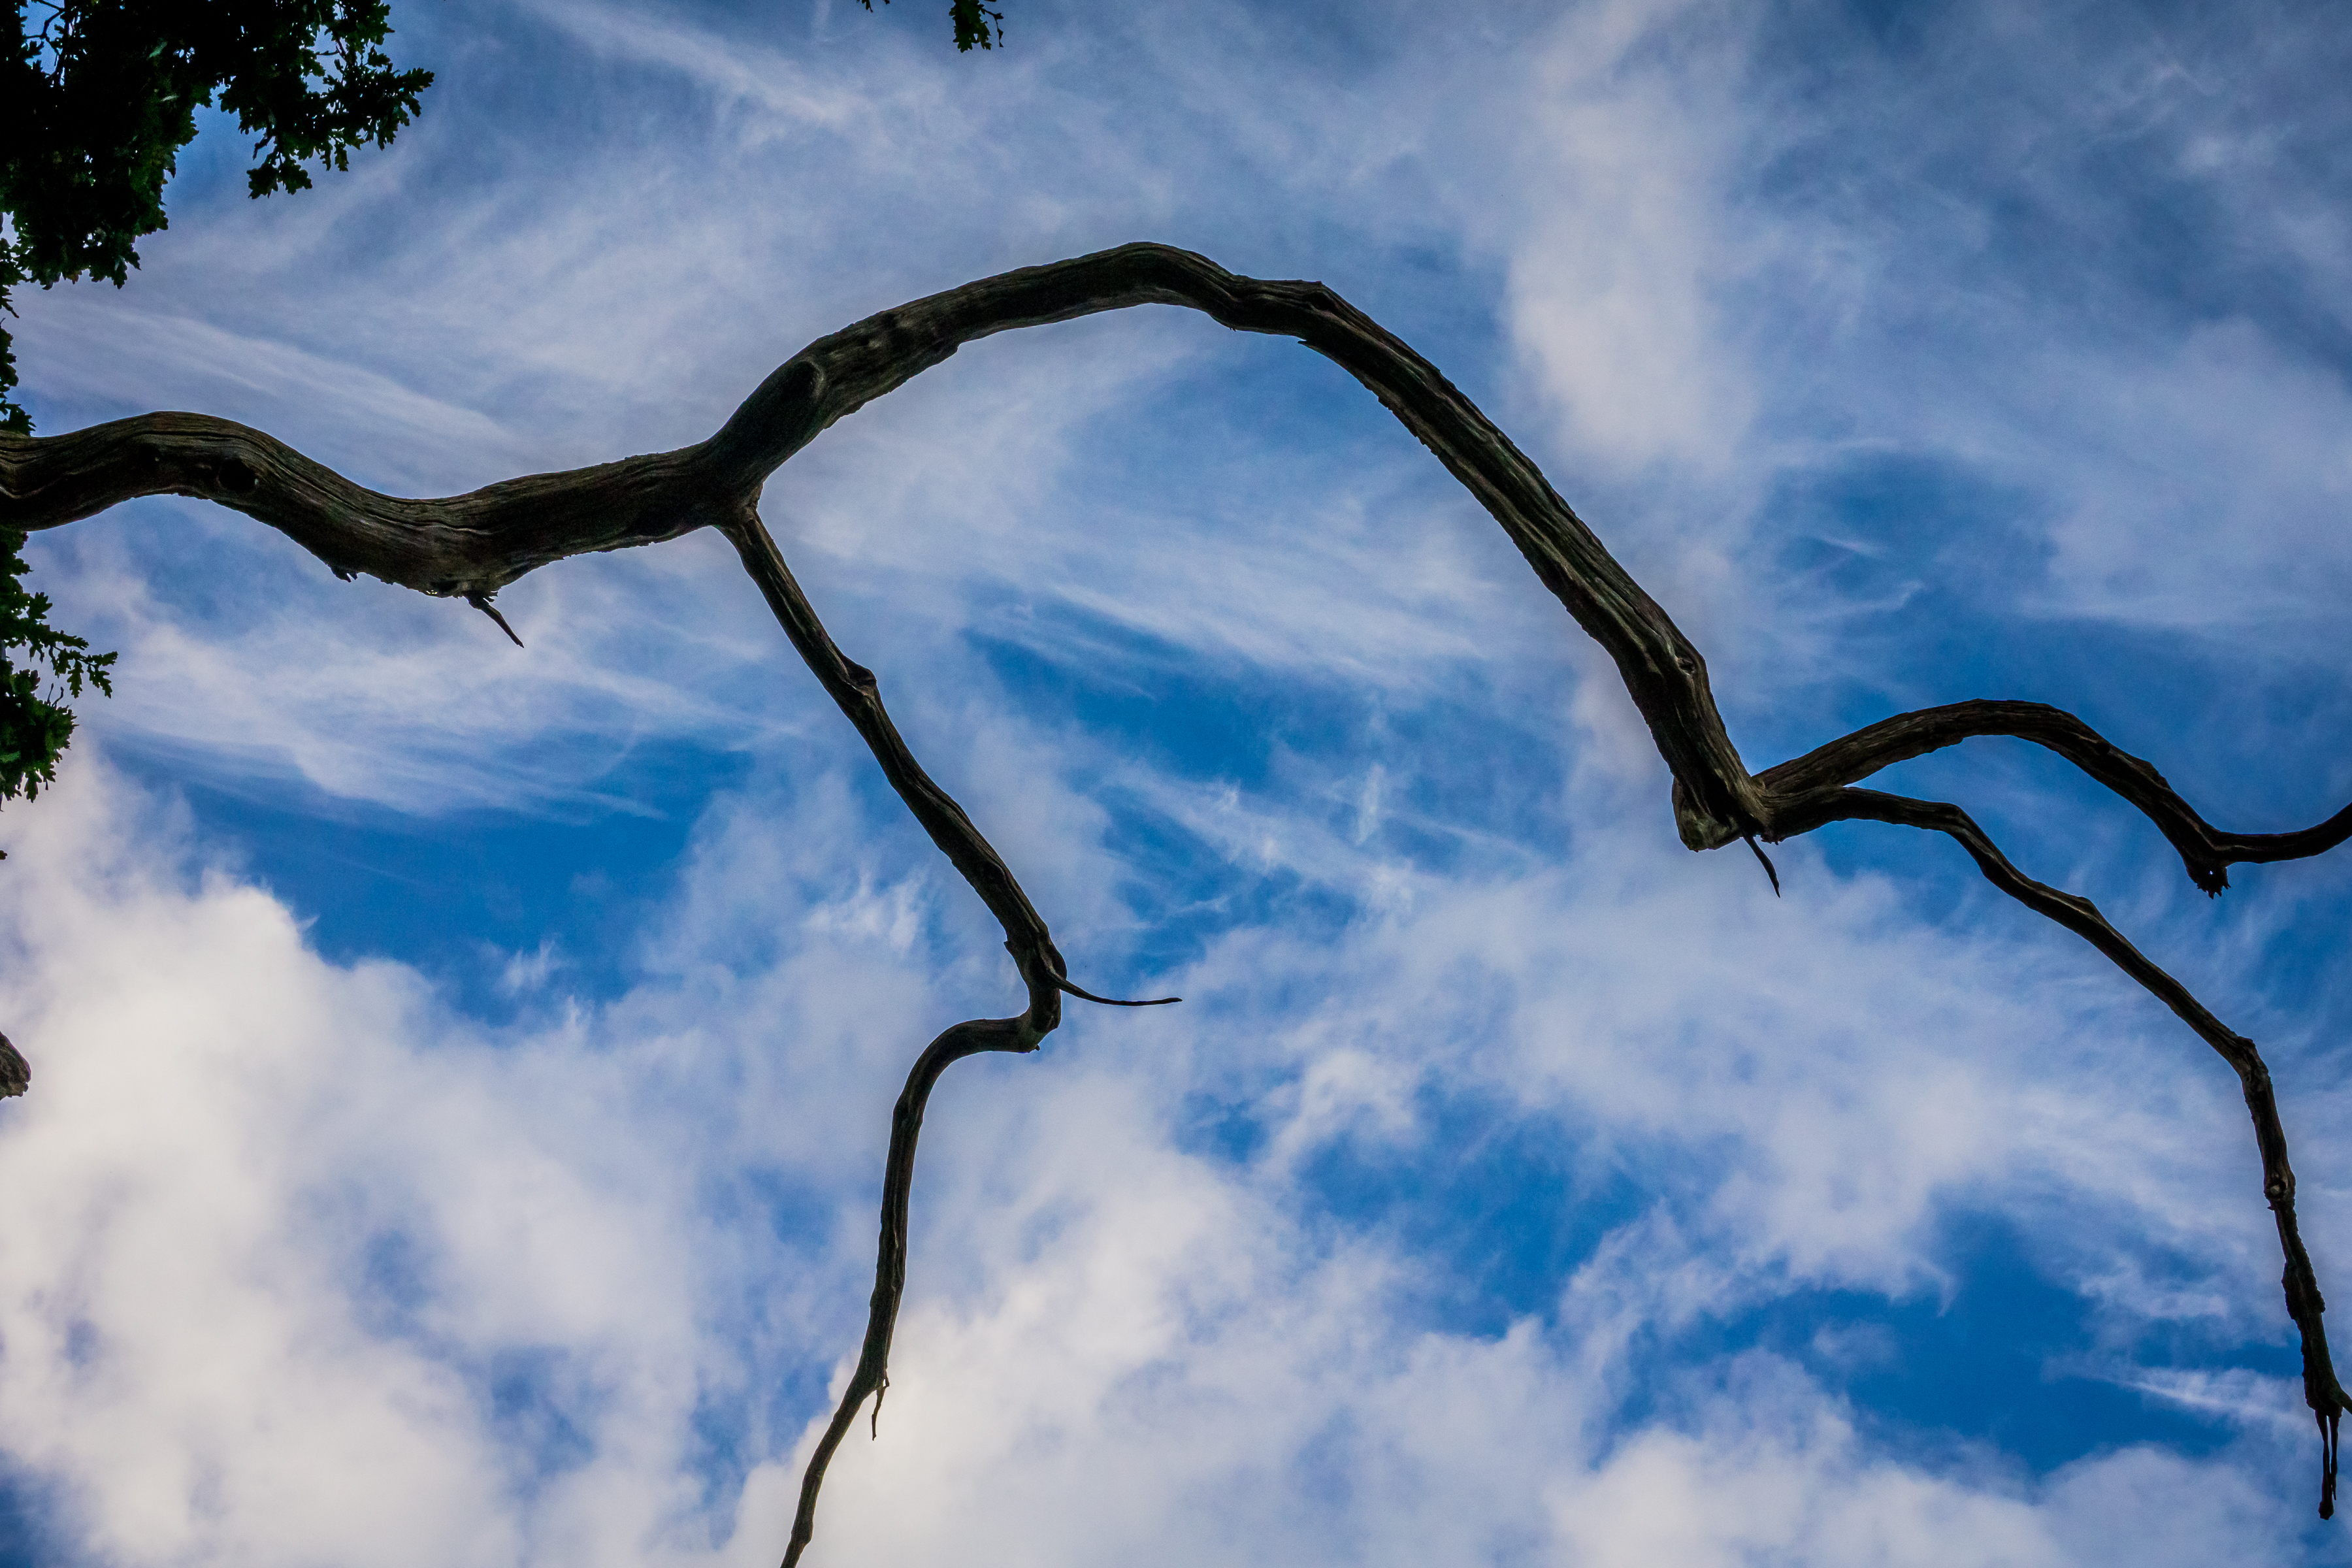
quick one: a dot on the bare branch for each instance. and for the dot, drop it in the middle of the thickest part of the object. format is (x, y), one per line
(2305, 1304)
(872, 1373)
(482, 541)
(15, 1073)
(474, 545)
(2206, 850)
(853, 687)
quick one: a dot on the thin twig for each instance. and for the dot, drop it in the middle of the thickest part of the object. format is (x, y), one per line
(482, 602)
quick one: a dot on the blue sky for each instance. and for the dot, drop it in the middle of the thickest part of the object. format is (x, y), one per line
(462, 1073)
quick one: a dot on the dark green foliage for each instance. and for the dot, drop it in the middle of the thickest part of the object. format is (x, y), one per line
(34, 726)
(98, 97)
(977, 26)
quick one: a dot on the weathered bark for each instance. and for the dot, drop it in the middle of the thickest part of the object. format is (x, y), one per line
(2321, 1391)
(477, 544)
(2206, 851)
(470, 546)
(15, 1073)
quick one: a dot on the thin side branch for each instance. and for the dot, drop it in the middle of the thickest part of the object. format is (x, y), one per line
(2206, 851)
(854, 689)
(2321, 1390)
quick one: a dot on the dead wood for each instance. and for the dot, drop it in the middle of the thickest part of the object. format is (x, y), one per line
(472, 545)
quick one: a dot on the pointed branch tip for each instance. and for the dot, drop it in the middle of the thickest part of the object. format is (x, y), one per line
(482, 602)
(2327, 1423)
(1766, 861)
(1063, 984)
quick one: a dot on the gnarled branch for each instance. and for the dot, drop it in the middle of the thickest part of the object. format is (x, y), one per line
(2321, 1391)
(872, 1373)
(480, 542)
(470, 546)
(2206, 850)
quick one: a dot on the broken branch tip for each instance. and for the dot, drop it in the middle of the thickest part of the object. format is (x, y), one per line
(482, 602)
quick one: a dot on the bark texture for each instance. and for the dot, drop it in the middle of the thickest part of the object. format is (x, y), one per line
(15, 1073)
(472, 545)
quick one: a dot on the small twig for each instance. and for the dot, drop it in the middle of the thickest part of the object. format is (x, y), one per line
(1083, 995)
(482, 602)
(1764, 861)
(2327, 1423)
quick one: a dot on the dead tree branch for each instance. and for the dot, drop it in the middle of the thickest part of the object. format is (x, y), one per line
(2206, 851)
(2305, 1304)
(472, 545)
(872, 1373)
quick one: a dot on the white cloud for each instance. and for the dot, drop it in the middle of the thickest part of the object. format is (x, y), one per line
(1621, 144)
(303, 1221)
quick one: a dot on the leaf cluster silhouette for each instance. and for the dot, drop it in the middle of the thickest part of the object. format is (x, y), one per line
(98, 97)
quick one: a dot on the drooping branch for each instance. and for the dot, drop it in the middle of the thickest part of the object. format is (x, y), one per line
(472, 545)
(2305, 1304)
(872, 1373)
(854, 688)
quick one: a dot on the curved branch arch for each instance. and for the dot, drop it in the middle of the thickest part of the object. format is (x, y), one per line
(472, 545)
